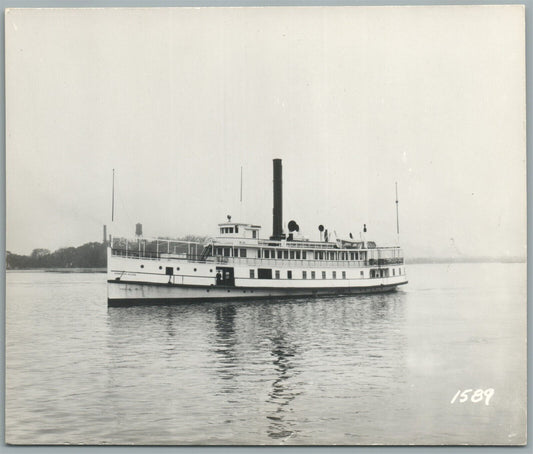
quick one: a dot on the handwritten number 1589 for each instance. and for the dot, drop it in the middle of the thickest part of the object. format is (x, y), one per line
(477, 396)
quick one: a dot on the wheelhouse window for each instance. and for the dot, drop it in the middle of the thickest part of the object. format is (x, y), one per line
(292, 254)
(280, 253)
(289, 274)
(297, 255)
(334, 274)
(252, 274)
(323, 275)
(266, 253)
(227, 252)
(254, 233)
(312, 274)
(285, 254)
(243, 252)
(304, 274)
(304, 255)
(277, 274)
(236, 229)
(344, 274)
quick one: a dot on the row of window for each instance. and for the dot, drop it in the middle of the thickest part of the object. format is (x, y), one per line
(291, 254)
(226, 252)
(267, 274)
(284, 254)
(229, 229)
(384, 272)
(224, 230)
(318, 255)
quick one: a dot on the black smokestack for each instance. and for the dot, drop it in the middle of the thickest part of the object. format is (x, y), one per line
(277, 212)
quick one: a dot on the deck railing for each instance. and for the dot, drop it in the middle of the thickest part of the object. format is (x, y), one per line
(190, 251)
(166, 256)
(248, 261)
(150, 246)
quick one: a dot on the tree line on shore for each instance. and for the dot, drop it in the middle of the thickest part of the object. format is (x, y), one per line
(89, 255)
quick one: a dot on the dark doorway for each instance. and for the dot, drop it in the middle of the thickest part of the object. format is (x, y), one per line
(225, 276)
(264, 273)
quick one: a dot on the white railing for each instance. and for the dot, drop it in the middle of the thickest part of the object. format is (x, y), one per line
(192, 251)
(268, 263)
(297, 244)
(149, 246)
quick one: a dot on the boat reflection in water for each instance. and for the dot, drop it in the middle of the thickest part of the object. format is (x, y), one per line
(283, 392)
(254, 371)
(225, 342)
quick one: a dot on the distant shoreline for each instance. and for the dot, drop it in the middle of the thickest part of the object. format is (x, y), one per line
(433, 260)
(58, 270)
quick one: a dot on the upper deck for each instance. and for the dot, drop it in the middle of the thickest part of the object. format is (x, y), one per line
(255, 251)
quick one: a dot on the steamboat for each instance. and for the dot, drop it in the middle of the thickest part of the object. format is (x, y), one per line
(240, 264)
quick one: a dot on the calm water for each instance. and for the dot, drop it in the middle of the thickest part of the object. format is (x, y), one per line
(343, 370)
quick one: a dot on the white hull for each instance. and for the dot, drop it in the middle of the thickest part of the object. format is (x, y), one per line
(123, 293)
(140, 281)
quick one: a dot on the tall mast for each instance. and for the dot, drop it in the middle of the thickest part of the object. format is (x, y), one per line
(113, 198)
(397, 216)
(241, 184)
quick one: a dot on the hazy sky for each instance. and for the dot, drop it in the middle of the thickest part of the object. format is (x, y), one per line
(352, 99)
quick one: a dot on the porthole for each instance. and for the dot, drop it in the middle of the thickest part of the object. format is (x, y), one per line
(228, 291)
(210, 271)
(207, 290)
(195, 269)
(178, 268)
(142, 266)
(160, 267)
